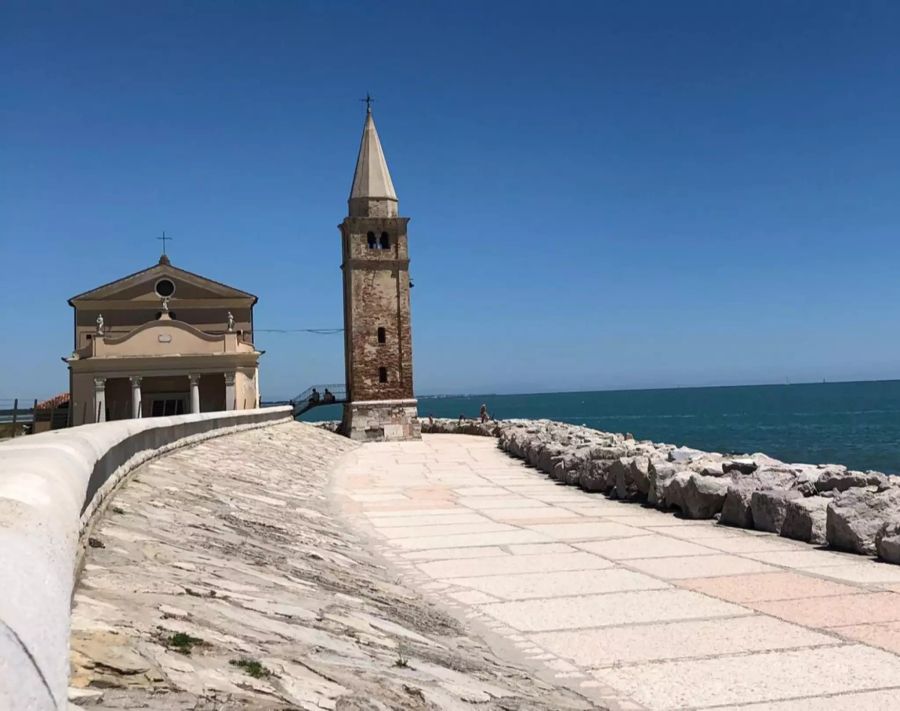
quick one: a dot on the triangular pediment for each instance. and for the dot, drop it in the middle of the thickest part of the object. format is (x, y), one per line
(141, 286)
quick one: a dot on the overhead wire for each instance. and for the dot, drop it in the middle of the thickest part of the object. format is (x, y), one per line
(317, 331)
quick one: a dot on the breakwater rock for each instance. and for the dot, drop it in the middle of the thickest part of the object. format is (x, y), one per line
(818, 503)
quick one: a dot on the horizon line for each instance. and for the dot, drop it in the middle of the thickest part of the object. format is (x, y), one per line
(642, 389)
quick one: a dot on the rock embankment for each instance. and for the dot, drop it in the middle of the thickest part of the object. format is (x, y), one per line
(818, 503)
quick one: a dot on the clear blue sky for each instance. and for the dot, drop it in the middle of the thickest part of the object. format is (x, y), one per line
(602, 194)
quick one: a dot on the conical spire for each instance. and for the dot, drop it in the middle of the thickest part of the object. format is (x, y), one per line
(372, 194)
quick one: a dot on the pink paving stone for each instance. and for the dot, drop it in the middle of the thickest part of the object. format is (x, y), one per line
(766, 586)
(885, 635)
(835, 611)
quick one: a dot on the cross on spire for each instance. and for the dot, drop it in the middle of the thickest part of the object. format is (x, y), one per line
(164, 239)
(368, 101)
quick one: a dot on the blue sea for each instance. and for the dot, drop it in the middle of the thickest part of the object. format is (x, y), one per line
(857, 424)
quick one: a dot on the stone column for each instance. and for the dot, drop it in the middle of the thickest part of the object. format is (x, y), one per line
(195, 393)
(99, 400)
(229, 391)
(135, 396)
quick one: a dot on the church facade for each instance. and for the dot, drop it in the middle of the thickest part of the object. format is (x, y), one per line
(162, 341)
(377, 329)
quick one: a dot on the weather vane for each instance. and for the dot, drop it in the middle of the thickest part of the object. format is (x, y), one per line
(164, 238)
(368, 101)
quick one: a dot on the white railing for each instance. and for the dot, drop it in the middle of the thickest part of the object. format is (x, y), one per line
(50, 486)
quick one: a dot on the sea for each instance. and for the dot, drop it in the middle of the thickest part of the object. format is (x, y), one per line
(856, 424)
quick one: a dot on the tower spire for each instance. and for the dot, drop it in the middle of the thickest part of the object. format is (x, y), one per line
(372, 193)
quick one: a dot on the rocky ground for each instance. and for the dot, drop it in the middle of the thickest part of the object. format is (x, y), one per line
(218, 578)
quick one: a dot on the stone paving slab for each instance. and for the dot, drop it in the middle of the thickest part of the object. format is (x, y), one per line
(837, 611)
(449, 529)
(428, 520)
(884, 700)
(863, 573)
(562, 583)
(767, 586)
(463, 540)
(702, 566)
(726, 617)
(885, 635)
(515, 564)
(596, 530)
(764, 676)
(679, 640)
(434, 554)
(608, 610)
(652, 546)
(751, 544)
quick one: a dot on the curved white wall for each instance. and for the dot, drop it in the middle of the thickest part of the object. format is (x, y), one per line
(50, 485)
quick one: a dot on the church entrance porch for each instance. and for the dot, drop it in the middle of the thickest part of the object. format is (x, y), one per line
(140, 360)
(135, 396)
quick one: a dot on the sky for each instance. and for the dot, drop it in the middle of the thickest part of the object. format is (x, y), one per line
(602, 194)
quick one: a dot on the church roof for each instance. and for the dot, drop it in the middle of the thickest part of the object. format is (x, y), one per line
(371, 179)
(157, 271)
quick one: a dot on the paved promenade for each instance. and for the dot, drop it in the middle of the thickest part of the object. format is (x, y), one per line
(219, 579)
(633, 607)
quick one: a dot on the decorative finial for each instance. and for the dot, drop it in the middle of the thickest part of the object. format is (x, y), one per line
(100, 325)
(164, 239)
(230, 322)
(368, 101)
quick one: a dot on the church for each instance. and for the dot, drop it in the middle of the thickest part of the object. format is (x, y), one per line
(166, 341)
(161, 341)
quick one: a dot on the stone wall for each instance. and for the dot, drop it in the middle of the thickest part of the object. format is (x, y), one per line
(381, 421)
(822, 504)
(376, 295)
(50, 486)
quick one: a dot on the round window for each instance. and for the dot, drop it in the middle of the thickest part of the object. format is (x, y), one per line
(165, 287)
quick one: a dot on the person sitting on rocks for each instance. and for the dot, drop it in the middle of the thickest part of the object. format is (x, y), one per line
(314, 397)
(329, 396)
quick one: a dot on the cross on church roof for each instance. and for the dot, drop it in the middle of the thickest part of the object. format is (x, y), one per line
(164, 238)
(368, 101)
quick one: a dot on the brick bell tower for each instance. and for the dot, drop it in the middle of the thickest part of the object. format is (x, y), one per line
(377, 338)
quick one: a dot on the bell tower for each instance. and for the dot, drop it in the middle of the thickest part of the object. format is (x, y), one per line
(380, 404)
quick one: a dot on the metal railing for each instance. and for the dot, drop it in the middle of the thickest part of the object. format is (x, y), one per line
(19, 416)
(318, 395)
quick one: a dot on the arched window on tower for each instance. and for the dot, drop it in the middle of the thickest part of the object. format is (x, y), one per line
(372, 243)
(382, 375)
(382, 334)
(385, 240)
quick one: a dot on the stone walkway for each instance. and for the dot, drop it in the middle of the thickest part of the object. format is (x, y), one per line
(633, 607)
(220, 579)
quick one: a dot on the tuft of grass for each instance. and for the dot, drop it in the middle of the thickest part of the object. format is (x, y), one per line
(183, 643)
(401, 661)
(251, 667)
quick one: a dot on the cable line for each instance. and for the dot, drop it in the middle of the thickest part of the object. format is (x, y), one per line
(317, 331)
